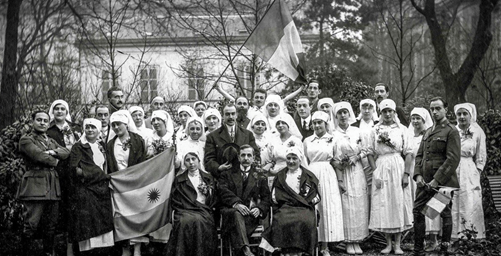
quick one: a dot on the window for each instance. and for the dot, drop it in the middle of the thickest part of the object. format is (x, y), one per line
(196, 81)
(106, 82)
(149, 83)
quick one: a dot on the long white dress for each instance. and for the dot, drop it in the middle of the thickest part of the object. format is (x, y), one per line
(355, 200)
(319, 152)
(389, 212)
(365, 135)
(467, 202)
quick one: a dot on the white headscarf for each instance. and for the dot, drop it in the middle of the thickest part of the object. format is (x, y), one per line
(97, 156)
(140, 109)
(157, 99)
(425, 115)
(198, 103)
(472, 109)
(187, 109)
(332, 116)
(212, 112)
(344, 105)
(54, 104)
(124, 117)
(164, 116)
(298, 151)
(274, 98)
(388, 103)
(257, 117)
(374, 107)
(195, 119)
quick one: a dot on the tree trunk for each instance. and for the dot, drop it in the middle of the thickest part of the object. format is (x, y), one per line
(10, 77)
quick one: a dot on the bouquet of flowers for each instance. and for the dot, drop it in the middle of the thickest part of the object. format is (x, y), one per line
(160, 146)
(126, 144)
(384, 138)
(345, 161)
(467, 134)
(291, 144)
(204, 188)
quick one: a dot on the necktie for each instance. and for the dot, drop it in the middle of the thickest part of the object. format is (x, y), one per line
(232, 135)
(304, 125)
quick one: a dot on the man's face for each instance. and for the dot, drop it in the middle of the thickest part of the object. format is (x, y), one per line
(259, 99)
(119, 128)
(246, 157)
(313, 90)
(116, 99)
(438, 111)
(41, 122)
(242, 103)
(229, 115)
(380, 93)
(103, 115)
(303, 109)
(138, 118)
(157, 105)
(200, 109)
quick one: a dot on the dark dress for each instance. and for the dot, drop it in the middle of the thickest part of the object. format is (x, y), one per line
(194, 230)
(137, 152)
(294, 224)
(91, 211)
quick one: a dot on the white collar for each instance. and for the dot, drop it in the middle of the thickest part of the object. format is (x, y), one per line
(308, 119)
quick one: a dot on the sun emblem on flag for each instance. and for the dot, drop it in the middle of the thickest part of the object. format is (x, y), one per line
(153, 195)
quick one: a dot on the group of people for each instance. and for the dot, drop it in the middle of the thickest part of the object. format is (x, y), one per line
(318, 175)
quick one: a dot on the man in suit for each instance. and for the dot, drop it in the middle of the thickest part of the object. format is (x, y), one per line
(303, 117)
(245, 197)
(115, 99)
(436, 162)
(39, 190)
(313, 91)
(382, 91)
(229, 132)
(242, 109)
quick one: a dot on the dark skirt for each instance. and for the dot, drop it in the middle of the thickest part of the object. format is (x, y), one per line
(293, 229)
(193, 234)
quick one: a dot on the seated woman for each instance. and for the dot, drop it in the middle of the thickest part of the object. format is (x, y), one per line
(91, 216)
(294, 195)
(193, 199)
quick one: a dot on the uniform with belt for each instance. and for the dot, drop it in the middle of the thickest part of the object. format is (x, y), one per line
(437, 159)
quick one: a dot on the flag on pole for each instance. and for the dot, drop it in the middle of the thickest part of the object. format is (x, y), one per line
(276, 41)
(140, 196)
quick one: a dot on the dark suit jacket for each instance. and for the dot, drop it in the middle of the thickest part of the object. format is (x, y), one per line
(217, 139)
(137, 152)
(244, 123)
(233, 189)
(305, 132)
(439, 154)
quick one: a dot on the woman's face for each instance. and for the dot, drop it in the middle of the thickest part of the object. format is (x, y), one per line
(293, 161)
(200, 109)
(326, 107)
(212, 122)
(119, 128)
(388, 115)
(259, 127)
(191, 162)
(60, 112)
(367, 111)
(183, 117)
(138, 118)
(343, 117)
(319, 127)
(282, 127)
(158, 124)
(195, 130)
(91, 132)
(417, 122)
(463, 116)
(273, 109)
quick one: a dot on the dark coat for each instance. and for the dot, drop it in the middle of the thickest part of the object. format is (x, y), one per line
(194, 230)
(439, 154)
(305, 132)
(91, 213)
(233, 189)
(40, 181)
(243, 123)
(357, 123)
(294, 224)
(137, 152)
(220, 137)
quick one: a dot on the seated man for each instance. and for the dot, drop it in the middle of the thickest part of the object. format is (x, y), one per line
(246, 199)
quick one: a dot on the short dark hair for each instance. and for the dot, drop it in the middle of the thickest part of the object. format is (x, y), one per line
(246, 146)
(229, 105)
(261, 90)
(34, 114)
(314, 81)
(386, 87)
(440, 99)
(113, 89)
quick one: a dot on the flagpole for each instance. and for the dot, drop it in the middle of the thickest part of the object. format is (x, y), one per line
(239, 49)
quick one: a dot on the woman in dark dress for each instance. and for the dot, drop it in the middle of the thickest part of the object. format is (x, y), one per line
(294, 196)
(193, 199)
(91, 217)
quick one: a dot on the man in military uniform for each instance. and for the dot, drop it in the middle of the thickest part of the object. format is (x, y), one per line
(436, 162)
(39, 190)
